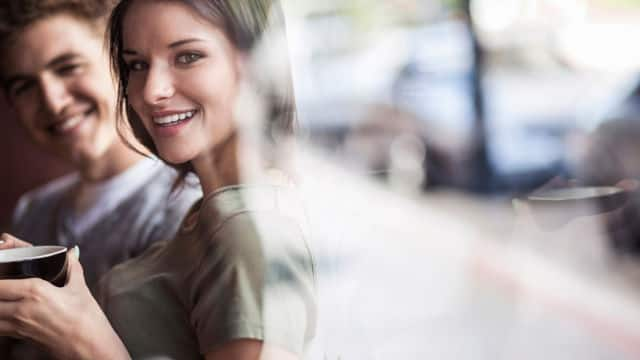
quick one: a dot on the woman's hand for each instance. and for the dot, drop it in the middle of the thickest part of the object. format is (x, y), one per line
(247, 349)
(66, 321)
(8, 241)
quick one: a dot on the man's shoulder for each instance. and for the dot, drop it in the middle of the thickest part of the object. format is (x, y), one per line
(46, 195)
(53, 188)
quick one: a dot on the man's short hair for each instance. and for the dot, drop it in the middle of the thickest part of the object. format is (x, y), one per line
(16, 15)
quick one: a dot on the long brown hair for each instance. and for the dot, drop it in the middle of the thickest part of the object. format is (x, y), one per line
(244, 23)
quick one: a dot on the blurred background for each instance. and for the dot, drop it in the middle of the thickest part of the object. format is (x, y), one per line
(441, 112)
(23, 165)
(489, 96)
(424, 119)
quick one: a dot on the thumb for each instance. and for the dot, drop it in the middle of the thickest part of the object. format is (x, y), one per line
(555, 183)
(8, 241)
(629, 185)
(75, 274)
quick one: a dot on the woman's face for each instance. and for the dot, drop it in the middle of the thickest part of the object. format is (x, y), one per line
(183, 78)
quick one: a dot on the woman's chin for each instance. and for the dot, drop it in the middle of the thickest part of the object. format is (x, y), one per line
(174, 159)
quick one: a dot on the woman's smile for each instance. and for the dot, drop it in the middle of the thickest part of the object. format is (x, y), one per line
(169, 123)
(182, 85)
(171, 118)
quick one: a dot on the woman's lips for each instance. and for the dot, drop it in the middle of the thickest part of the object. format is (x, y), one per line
(172, 118)
(169, 123)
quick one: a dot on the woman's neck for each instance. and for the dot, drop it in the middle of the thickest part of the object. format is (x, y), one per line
(219, 167)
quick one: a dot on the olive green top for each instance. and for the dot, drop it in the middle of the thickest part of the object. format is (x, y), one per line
(239, 268)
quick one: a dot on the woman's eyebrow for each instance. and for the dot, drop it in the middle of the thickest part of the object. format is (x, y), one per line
(182, 42)
(174, 44)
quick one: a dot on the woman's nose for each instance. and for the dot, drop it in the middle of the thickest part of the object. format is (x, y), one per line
(158, 85)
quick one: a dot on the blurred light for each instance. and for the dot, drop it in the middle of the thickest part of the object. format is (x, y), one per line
(405, 157)
(502, 23)
(605, 47)
(495, 15)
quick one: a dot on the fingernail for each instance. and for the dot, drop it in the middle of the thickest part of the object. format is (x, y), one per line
(2, 242)
(76, 252)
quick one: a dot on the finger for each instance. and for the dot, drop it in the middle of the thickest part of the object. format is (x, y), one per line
(7, 328)
(8, 310)
(8, 241)
(19, 289)
(555, 183)
(10, 320)
(628, 184)
(75, 275)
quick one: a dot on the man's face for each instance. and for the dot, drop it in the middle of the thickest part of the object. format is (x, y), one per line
(57, 78)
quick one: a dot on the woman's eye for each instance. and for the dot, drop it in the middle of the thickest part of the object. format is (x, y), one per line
(136, 66)
(188, 58)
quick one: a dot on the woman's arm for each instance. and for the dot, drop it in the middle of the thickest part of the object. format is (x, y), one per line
(247, 349)
(66, 321)
(254, 281)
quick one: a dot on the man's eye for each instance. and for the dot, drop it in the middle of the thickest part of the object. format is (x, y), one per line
(20, 87)
(69, 69)
(188, 58)
(136, 65)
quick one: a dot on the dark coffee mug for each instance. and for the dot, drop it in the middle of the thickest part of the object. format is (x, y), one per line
(45, 262)
(553, 208)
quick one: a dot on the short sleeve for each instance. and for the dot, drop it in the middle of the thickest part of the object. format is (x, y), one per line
(254, 281)
(19, 212)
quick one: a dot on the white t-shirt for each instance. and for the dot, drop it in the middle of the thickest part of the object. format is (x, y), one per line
(111, 221)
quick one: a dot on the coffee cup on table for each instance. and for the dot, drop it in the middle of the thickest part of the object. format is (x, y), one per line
(553, 208)
(45, 262)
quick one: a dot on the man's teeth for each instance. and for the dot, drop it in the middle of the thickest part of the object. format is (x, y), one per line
(170, 119)
(69, 123)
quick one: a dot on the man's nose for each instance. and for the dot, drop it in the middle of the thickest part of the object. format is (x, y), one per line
(55, 95)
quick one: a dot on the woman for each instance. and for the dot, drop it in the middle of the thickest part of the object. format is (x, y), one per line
(237, 281)
(56, 78)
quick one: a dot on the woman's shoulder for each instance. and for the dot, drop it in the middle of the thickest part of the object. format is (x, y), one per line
(240, 207)
(245, 219)
(262, 229)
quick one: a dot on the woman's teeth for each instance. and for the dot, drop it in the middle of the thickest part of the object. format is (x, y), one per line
(170, 120)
